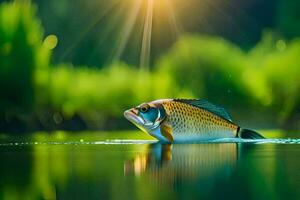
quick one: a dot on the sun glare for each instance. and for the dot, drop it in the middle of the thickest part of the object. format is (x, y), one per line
(146, 10)
(138, 22)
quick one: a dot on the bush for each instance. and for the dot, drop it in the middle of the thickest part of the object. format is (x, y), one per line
(281, 70)
(264, 80)
(98, 95)
(22, 56)
(209, 68)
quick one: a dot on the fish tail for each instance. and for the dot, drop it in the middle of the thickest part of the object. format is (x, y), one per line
(248, 134)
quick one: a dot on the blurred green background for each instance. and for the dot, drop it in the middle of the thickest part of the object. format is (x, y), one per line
(77, 65)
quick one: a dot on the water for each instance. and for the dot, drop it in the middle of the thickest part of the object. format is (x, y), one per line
(105, 167)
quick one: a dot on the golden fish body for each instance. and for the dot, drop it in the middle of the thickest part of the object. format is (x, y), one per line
(186, 120)
(190, 122)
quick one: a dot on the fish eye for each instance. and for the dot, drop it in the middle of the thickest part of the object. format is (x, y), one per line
(144, 108)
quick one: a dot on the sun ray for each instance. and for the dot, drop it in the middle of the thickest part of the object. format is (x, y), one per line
(127, 29)
(174, 23)
(146, 41)
(106, 33)
(227, 18)
(94, 23)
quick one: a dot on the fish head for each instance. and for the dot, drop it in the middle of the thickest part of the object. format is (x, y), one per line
(146, 116)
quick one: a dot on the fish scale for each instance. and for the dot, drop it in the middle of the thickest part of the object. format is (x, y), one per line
(190, 121)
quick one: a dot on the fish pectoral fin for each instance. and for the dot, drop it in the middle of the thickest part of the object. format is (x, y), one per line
(167, 132)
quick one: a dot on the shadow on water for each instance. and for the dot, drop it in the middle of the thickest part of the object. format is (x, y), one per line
(192, 170)
(214, 171)
(174, 165)
(147, 170)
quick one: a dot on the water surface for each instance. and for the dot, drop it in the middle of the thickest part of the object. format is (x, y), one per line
(124, 166)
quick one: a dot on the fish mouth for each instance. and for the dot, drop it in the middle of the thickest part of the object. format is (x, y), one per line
(131, 115)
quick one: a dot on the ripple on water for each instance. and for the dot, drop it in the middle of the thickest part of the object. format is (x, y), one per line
(138, 142)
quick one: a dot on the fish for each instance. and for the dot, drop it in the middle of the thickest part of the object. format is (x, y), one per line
(186, 120)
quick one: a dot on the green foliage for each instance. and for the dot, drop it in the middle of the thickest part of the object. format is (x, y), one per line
(96, 95)
(196, 67)
(77, 89)
(281, 72)
(22, 56)
(265, 78)
(208, 67)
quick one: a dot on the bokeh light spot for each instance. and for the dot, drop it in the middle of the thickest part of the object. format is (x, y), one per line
(280, 45)
(51, 41)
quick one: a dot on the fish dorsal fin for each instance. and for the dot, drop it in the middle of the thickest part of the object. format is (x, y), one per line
(201, 103)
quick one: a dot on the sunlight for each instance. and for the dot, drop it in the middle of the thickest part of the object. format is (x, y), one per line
(176, 28)
(141, 18)
(89, 27)
(127, 29)
(146, 42)
(133, 21)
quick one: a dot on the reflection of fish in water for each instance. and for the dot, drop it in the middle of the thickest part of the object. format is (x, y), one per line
(170, 164)
(180, 120)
